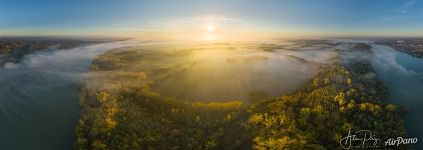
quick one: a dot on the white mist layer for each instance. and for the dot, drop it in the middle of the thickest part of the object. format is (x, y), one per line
(39, 96)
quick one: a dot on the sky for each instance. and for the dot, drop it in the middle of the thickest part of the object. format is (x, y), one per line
(178, 18)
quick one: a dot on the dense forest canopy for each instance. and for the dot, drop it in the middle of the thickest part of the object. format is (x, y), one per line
(120, 110)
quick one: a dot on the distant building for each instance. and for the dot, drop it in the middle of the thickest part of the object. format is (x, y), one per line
(400, 42)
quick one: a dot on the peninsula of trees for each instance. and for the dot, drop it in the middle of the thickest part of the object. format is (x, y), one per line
(120, 111)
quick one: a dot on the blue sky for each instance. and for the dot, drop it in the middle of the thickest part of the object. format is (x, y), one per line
(129, 17)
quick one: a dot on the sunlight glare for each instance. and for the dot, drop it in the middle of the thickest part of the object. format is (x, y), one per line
(210, 37)
(210, 28)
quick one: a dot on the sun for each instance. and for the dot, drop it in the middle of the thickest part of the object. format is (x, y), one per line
(210, 35)
(210, 28)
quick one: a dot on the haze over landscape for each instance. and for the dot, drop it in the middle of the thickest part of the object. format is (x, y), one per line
(239, 74)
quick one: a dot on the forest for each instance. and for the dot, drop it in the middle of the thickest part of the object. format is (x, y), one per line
(13, 49)
(121, 111)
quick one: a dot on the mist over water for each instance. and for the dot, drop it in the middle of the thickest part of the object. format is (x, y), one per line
(220, 74)
(39, 97)
(403, 74)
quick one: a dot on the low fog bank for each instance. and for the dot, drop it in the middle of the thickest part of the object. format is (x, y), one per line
(400, 72)
(227, 76)
(403, 75)
(39, 96)
(222, 71)
(387, 58)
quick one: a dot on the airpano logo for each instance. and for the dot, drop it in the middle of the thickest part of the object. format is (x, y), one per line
(365, 139)
(400, 141)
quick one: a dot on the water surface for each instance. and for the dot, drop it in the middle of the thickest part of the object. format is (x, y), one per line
(39, 97)
(403, 74)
